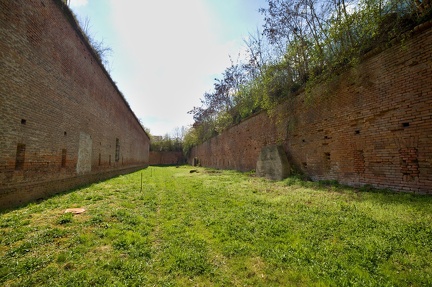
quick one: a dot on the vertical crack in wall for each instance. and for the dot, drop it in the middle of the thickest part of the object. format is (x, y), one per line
(20, 157)
(63, 158)
(409, 163)
(359, 162)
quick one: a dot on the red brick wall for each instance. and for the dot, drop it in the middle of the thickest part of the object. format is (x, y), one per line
(370, 125)
(62, 119)
(166, 157)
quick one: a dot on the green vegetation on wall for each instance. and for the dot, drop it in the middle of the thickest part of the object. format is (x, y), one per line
(302, 43)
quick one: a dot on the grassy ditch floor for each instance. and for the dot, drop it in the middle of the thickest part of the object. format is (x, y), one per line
(218, 228)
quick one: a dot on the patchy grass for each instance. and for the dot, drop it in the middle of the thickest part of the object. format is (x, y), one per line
(218, 228)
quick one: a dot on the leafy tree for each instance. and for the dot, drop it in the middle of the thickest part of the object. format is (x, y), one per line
(303, 41)
(168, 142)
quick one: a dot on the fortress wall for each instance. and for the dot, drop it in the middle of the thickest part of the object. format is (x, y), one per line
(63, 121)
(370, 125)
(166, 158)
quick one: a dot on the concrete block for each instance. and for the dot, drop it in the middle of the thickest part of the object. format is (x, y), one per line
(273, 163)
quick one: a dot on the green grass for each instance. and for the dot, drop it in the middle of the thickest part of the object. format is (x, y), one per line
(218, 228)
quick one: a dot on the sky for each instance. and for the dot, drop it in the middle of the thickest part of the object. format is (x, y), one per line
(167, 53)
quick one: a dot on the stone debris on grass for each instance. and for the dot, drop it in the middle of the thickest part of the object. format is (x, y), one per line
(75, 210)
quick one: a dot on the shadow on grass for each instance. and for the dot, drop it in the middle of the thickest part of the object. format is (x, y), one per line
(60, 193)
(383, 196)
(45, 198)
(169, 165)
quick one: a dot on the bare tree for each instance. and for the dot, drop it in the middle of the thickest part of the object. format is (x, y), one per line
(100, 48)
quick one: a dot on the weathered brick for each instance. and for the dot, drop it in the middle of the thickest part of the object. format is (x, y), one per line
(378, 125)
(53, 90)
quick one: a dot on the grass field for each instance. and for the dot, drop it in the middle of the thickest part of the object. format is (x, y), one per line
(218, 228)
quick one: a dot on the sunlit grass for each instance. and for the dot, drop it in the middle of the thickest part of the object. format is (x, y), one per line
(218, 228)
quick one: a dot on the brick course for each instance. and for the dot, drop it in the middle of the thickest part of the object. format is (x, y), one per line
(63, 121)
(166, 158)
(370, 125)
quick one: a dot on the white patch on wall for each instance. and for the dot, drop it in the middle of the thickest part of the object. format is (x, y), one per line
(84, 154)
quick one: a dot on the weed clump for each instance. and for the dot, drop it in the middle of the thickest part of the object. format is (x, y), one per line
(65, 218)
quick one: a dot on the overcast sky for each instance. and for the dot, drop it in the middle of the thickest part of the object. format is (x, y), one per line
(166, 53)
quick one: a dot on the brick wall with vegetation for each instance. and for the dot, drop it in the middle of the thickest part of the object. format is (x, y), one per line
(63, 120)
(369, 125)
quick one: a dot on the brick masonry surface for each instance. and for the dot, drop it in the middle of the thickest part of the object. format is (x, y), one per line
(370, 125)
(166, 158)
(63, 121)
